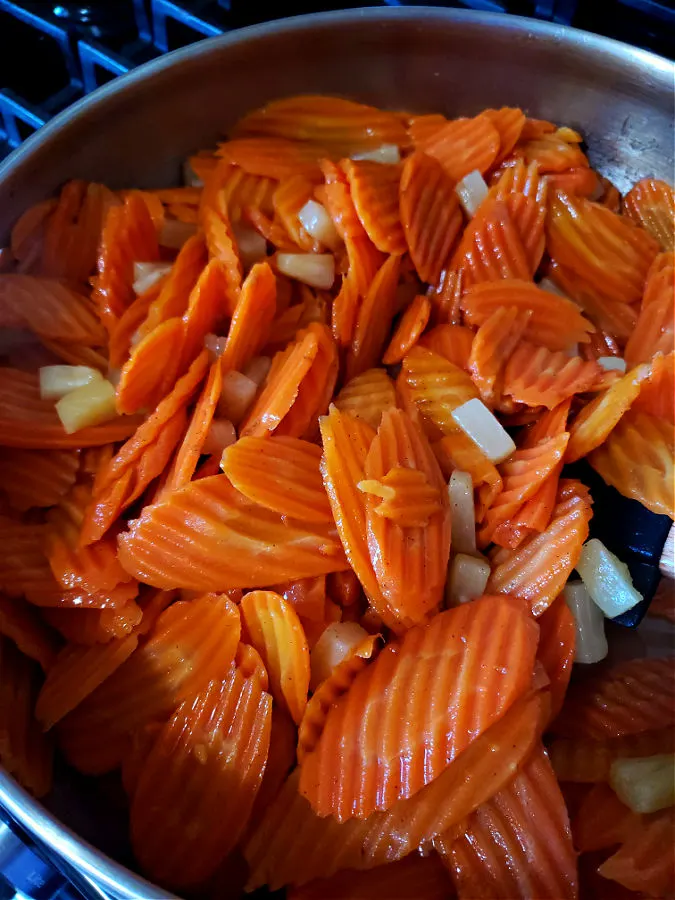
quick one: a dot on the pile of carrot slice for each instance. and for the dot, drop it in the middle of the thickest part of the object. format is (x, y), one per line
(287, 587)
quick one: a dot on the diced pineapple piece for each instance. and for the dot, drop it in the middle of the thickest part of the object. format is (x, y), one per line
(56, 381)
(90, 405)
(645, 784)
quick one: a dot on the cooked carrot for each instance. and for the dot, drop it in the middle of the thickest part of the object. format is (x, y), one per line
(491, 348)
(430, 215)
(603, 821)
(458, 451)
(374, 188)
(436, 387)
(537, 376)
(143, 383)
(280, 761)
(142, 742)
(410, 327)
(238, 190)
(24, 570)
(50, 309)
(274, 157)
(555, 322)
(657, 391)
(37, 478)
(537, 571)
(557, 640)
(584, 761)
(221, 540)
(316, 389)
(446, 299)
(192, 643)
(76, 673)
(127, 329)
(272, 626)
(509, 122)
(551, 152)
(628, 698)
(28, 422)
(27, 236)
(21, 624)
(374, 319)
(95, 626)
(651, 204)
(350, 778)
(464, 145)
(519, 843)
(251, 665)
(644, 862)
(294, 845)
(343, 126)
(367, 396)
(344, 311)
(654, 327)
(289, 198)
(281, 474)
(453, 342)
(196, 789)
(336, 196)
(25, 752)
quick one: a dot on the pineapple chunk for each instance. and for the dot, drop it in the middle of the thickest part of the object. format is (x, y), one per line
(645, 784)
(57, 381)
(90, 405)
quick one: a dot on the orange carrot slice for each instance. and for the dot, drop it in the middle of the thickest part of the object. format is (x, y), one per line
(493, 344)
(654, 328)
(280, 761)
(95, 626)
(22, 625)
(128, 236)
(537, 571)
(344, 311)
(539, 377)
(205, 307)
(584, 761)
(220, 540)
(274, 157)
(436, 387)
(198, 783)
(28, 234)
(657, 392)
(464, 145)
(281, 474)
(509, 122)
(316, 389)
(336, 196)
(25, 752)
(238, 190)
(430, 215)
(598, 418)
(24, 570)
(637, 459)
(552, 151)
(294, 845)
(410, 560)
(519, 843)
(50, 309)
(252, 318)
(458, 451)
(127, 329)
(557, 639)
(446, 298)
(603, 821)
(272, 626)
(362, 778)
(453, 342)
(37, 478)
(28, 422)
(555, 322)
(76, 673)
(651, 204)
(192, 643)
(374, 319)
(644, 861)
(250, 664)
(143, 383)
(343, 126)
(374, 189)
(367, 396)
(413, 322)
(289, 198)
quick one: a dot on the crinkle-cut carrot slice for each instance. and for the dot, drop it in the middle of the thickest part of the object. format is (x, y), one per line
(294, 845)
(453, 342)
(421, 877)
(464, 145)
(330, 691)
(522, 474)
(408, 331)
(344, 311)
(206, 306)
(238, 189)
(335, 194)
(644, 862)
(407, 498)
(274, 157)
(537, 376)
(555, 322)
(152, 368)
(537, 571)
(27, 236)
(410, 561)
(606, 251)
(22, 624)
(113, 598)
(128, 236)
(651, 204)
(654, 328)
(208, 536)
(446, 298)
(144, 456)
(491, 347)
(657, 392)
(281, 474)
(76, 673)
(172, 300)
(551, 423)
(509, 122)
(25, 752)
(551, 152)
(289, 368)
(580, 181)
(272, 626)
(557, 640)
(436, 387)
(430, 215)
(351, 778)
(127, 329)
(518, 178)
(250, 664)
(458, 451)
(307, 596)
(346, 441)
(272, 230)
(584, 761)
(519, 843)
(614, 317)
(316, 389)
(422, 128)
(94, 626)
(342, 126)
(37, 478)
(24, 570)
(592, 425)
(364, 262)
(30, 423)
(373, 319)
(374, 189)
(153, 603)
(192, 643)
(603, 821)
(627, 698)
(534, 128)
(50, 309)
(222, 247)
(367, 396)
(196, 789)
(637, 459)
(280, 760)
(289, 198)
(533, 516)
